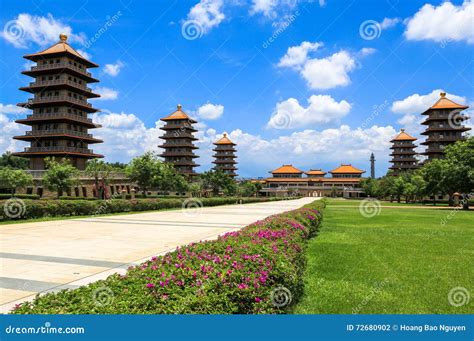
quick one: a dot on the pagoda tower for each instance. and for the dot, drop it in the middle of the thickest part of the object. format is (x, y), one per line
(403, 153)
(224, 158)
(178, 145)
(444, 126)
(59, 122)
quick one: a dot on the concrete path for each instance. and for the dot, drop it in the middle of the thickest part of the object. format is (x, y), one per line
(49, 256)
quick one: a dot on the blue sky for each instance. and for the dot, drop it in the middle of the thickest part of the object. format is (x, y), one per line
(339, 78)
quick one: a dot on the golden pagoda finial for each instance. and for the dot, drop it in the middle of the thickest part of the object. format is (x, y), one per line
(402, 130)
(179, 106)
(225, 134)
(63, 37)
(443, 94)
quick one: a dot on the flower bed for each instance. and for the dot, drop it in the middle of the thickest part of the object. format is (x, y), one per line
(257, 269)
(58, 208)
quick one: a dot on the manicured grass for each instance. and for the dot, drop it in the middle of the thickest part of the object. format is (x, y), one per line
(400, 261)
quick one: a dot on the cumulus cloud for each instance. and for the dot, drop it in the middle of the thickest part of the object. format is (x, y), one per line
(321, 109)
(106, 93)
(26, 29)
(389, 22)
(114, 69)
(210, 111)
(296, 56)
(441, 23)
(207, 14)
(8, 128)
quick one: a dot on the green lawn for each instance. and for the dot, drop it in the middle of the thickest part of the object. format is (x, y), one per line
(403, 260)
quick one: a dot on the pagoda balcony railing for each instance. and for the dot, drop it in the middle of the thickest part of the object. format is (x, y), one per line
(60, 66)
(226, 154)
(224, 148)
(432, 149)
(434, 139)
(177, 144)
(438, 116)
(59, 114)
(178, 127)
(178, 135)
(57, 131)
(224, 161)
(184, 163)
(60, 82)
(58, 149)
(403, 152)
(397, 159)
(58, 98)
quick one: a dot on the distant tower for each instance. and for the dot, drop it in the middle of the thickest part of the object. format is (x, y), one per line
(372, 166)
(445, 126)
(403, 153)
(224, 158)
(178, 146)
(59, 121)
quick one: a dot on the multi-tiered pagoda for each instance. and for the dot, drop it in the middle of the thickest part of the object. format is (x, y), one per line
(178, 146)
(403, 153)
(224, 158)
(445, 126)
(59, 122)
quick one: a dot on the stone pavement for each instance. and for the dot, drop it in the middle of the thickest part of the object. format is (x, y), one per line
(48, 256)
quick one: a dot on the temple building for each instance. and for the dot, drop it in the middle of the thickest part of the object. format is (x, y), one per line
(287, 179)
(59, 121)
(444, 126)
(178, 145)
(224, 157)
(403, 153)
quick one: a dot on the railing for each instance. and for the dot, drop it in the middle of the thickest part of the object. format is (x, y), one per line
(60, 81)
(59, 115)
(58, 98)
(58, 149)
(57, 131)
(62, 66)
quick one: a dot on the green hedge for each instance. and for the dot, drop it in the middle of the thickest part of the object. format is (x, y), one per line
(256, 270)
(19, 196)
(57, 208)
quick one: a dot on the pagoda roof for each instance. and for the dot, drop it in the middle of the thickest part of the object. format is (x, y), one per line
(315, 172)
(179, 114)
(346, 169)
(403, 136)
(445, 103)
(60, 47)
(224, 140)
(287, 169)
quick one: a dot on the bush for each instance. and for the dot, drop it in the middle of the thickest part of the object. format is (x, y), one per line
(239, 273)
(20, 196)
(58, 208)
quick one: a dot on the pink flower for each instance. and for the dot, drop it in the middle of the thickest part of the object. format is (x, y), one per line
(243, 286)
(150, 285)
(258, 299)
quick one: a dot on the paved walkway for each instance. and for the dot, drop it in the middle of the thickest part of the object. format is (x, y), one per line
(50, 256)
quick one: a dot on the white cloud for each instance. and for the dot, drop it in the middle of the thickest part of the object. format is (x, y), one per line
(11, 109)
(321, 109)
(26, 29)
(8, 128)
(416, 103)
(114, 69)
(85, 54)
(265, 7)
(443, 22)
(210, 111)
(389, 22)
(366, 51)
(106, 93)
(207, 14)
(296, 56)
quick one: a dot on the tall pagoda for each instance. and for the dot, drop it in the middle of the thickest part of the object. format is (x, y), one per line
(224, 158)
(59, 122)
(178, 145)
(444, 126)
(403, 153)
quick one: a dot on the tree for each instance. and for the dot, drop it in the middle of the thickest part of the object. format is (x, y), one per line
(60, 176)
(398, 187)
(217, 181)
(14, 178)
(434, 174)
(247, 189)
(384, 188)
(370, 186)
(100, 171)
(166, 178)
(8, 160)
(144, 171)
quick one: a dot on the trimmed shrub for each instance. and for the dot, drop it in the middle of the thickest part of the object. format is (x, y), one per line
(257, 269)
(58, 208)
(20, 196)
